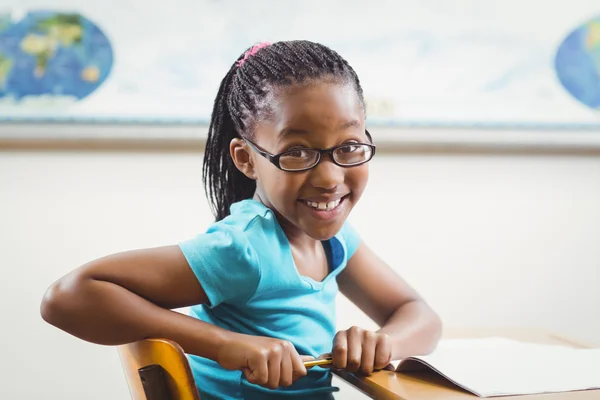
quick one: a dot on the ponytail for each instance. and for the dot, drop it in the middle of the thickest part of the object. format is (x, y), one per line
(223, 182)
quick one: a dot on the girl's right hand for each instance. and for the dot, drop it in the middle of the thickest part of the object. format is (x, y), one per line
(264, 361)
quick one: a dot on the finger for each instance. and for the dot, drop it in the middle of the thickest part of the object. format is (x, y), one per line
(340, 350)
(298, 368)
(367, 359)
(355, 339)
(274, 364)
(286, 377)
(383, 354)
(369, 353)
(257, 371)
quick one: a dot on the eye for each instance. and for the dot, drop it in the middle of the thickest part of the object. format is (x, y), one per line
(350, 148)
(299, 153)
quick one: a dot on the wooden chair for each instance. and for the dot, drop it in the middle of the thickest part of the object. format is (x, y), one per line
(178, 377)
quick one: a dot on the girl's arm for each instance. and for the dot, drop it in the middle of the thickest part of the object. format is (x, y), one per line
(127, 297)
(408, 325)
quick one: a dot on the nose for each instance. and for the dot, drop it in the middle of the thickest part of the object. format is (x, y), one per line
(327, 175)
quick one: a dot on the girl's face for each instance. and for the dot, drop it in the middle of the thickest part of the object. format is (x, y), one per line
(318, 115)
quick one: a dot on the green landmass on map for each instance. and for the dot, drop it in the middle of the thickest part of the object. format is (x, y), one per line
(62, 29)
(67, 28)
(6, 65)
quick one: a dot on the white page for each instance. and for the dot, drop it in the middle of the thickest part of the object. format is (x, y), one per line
(499, 366)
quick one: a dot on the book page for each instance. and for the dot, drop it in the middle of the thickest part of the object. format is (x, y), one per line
(500, 366)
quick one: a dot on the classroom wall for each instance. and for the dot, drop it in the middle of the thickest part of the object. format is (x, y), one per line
(490, 241)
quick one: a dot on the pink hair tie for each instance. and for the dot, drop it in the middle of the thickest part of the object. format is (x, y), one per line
(252, 52)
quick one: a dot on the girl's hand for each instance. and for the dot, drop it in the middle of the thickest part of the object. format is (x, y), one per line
(264, 361)
(360, 351)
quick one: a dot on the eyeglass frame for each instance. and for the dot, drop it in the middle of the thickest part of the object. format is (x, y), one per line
(274, 158)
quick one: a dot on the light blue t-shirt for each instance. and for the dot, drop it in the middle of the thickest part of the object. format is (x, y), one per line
(245, 265)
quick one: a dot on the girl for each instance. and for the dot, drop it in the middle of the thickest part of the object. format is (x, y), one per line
(286, 161)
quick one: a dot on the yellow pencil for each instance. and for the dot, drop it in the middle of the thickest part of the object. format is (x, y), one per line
(314, 363)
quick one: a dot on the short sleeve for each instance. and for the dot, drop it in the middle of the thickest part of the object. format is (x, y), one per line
(225, 264)
(351, 238)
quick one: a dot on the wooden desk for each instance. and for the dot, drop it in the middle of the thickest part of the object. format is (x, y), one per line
(387, 385)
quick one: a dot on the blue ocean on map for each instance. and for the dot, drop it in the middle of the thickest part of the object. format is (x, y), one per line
(577, 63)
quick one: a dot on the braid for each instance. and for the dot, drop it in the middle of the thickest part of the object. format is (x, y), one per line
(224, 183)
(243, 98)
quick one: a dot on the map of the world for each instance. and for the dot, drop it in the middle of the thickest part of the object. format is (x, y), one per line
(52, 54)
(421, 63)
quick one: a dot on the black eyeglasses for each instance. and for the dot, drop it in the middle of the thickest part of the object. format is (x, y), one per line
(302, 159)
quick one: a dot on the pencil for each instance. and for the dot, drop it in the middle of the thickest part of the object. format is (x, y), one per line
(314, 363)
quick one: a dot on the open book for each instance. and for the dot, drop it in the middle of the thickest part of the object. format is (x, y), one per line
(501, 367)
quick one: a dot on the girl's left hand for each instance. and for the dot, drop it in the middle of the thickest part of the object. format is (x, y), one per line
(360, 351)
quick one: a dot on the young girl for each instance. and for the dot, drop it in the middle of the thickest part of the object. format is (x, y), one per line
(286, 161)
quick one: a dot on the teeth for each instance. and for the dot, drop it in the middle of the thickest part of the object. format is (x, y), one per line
(324, 206)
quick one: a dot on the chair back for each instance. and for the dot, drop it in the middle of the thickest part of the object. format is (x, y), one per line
(178, 377)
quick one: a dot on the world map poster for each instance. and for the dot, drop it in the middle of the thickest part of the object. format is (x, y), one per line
(421, 63)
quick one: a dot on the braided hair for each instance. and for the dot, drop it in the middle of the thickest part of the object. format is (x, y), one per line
(244, 96)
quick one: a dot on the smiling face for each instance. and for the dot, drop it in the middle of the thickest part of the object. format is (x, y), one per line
(321, 114)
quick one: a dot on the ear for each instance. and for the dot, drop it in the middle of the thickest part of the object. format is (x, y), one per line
(240, 153)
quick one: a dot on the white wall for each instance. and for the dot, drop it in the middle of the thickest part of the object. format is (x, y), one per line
(490, 241)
